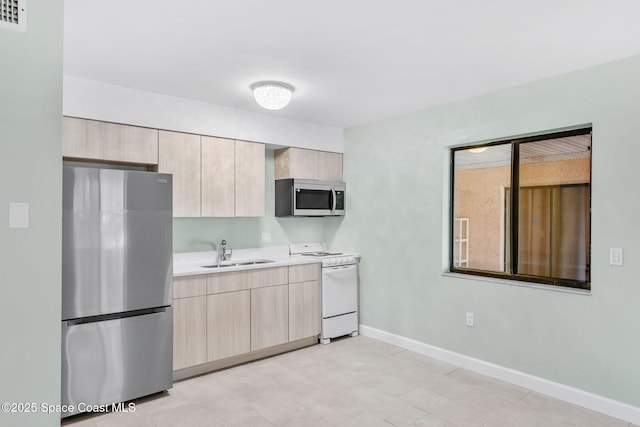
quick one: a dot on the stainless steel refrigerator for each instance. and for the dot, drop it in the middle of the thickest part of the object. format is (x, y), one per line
(117, 320)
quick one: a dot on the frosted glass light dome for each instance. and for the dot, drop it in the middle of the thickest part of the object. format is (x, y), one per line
(272, 95)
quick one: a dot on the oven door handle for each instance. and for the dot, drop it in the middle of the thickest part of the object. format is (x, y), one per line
(339, 267)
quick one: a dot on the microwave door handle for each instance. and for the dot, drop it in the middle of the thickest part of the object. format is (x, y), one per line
(333, 196)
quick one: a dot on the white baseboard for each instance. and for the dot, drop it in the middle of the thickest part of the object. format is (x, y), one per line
(576, 396)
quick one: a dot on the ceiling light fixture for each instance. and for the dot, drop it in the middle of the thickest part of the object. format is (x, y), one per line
(478, 149)
(272, 95)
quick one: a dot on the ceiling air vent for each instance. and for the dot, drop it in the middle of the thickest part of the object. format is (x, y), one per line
(13, 15)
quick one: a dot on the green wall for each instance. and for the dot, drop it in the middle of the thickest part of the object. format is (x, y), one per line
(30, 171)
(397, 172)
(199, 234)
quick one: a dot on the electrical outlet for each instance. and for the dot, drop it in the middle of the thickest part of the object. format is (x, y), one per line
(469, 319)
(266, 237)
(615, 256)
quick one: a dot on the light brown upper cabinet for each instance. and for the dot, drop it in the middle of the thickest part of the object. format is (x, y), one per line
(213, 176)
(96, 140)
(250, 180)
(232, 177)
(180, 156)
(308, 164)
(218, 176)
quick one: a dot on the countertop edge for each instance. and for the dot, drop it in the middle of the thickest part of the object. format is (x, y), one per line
(197, 269)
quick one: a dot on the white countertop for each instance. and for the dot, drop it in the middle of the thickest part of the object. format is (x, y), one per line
(191, 263)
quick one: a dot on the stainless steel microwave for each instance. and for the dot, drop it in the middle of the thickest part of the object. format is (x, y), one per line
(309, 197)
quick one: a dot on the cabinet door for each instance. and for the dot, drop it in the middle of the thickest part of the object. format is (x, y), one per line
(189, 333)
(75, 140)
(329, 166)
(304, 163)
(295, 163)
(123, 143)
(269, 316)
(218, 176)
(250, 180)
(96, 140)
(304, 310)
(308, 164)
(179, 154)
(228, 324)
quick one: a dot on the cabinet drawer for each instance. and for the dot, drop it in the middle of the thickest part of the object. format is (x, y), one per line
(304, 273)
(189, 286)
(248, 279)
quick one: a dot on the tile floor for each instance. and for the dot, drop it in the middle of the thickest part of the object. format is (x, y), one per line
(359, 382)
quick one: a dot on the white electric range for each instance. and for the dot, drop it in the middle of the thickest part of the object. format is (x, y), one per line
(339, 289)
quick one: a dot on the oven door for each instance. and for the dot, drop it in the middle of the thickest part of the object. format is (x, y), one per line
(339, 290)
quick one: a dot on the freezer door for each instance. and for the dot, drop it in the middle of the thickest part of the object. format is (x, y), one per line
(117, 241)
(116, 360)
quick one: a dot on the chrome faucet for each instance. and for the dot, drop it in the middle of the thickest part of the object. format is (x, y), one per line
(224, 254)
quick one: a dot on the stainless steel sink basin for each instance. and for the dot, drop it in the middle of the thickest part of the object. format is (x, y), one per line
(238, 263)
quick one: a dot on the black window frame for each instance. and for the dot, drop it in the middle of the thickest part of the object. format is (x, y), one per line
(513, 275)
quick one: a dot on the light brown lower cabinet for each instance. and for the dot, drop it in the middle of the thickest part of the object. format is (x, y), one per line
(304, 310)
(189, 331)
(269, 316)
(220, 316)
(228, 324)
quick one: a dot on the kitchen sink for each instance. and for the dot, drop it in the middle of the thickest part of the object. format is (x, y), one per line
(238, 263)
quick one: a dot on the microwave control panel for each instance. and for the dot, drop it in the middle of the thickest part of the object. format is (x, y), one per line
(339, 200)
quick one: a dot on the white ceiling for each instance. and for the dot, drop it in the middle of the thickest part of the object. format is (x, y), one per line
(351, 61)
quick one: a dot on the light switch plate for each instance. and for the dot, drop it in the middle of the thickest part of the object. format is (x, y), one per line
(18, 215)
(615, 256)
(266, 237)
(470, 318)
